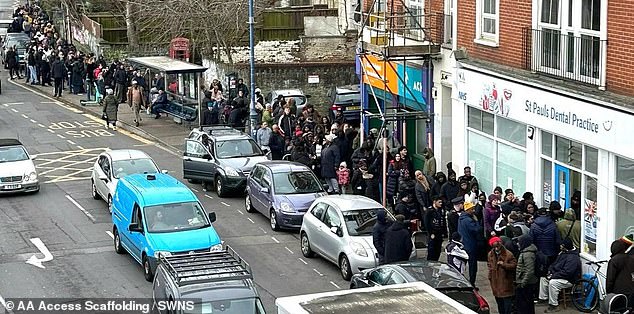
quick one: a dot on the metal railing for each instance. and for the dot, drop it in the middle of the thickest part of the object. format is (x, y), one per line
(578, 58)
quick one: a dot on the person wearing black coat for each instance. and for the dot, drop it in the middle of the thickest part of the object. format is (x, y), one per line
(440, 179)
(436, 226)
(121, 81)
(59, 72)
(565, 271)
(620, 275)
(378, 234)
(407, 207)
(545, 234)
(398, 242)
(11, 60)
(300, 155)
(276, 143)
(450, 189)
(330, 160)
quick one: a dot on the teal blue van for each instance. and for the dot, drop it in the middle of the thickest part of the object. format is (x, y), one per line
(154, 215)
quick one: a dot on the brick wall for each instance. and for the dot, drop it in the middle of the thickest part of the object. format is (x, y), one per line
(272, 76)
(620, 47)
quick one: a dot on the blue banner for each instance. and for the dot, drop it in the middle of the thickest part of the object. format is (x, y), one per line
(412, 87)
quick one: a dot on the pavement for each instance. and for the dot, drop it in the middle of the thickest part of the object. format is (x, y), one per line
(67, 137)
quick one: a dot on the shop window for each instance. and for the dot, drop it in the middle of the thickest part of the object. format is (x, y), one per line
(511, 168)
(591, 159)
(568, 151)
(547, 177)
(480, 120)
(547, 144)
(590, 217)
(511, 131)
(481, 154)
(624, 211)
(421, 136)
(625, 171)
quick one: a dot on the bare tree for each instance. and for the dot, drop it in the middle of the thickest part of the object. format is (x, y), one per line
(130, 16)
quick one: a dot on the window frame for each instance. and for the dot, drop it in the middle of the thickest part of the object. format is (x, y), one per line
(487, 39)
(417, 32)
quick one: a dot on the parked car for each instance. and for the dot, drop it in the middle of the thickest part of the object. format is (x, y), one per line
(221, 155)
(339, 228)
(113, 165)
(215, 281)
(282, 191)
(439, 276)
(20, 41)
(348, 100)
(5, 25)
(17, 171)
(300, 99)
(156, 215)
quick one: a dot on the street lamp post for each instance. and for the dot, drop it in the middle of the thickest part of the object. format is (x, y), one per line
(253, 115)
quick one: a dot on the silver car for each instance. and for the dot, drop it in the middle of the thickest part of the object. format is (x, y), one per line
(339, 228)
(113, 165)
(17, 171)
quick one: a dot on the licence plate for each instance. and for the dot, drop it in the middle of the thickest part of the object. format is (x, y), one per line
(11, 186)
(350, 108)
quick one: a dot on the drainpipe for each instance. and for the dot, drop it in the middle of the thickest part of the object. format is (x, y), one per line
(253, 114)
(430, 104)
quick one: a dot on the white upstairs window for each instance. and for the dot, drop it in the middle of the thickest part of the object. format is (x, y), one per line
(488, 22)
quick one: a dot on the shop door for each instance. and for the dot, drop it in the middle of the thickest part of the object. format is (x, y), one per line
(562, 185)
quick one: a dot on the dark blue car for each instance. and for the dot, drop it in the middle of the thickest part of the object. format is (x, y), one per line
(282, 191)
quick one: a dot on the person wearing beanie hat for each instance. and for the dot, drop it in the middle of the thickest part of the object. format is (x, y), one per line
(501, 264)
(555, 211)
(110, 109)
(492, 212)
(343, 178)
(457, 257)
(563, 272)
(526, 278)
(509, 202)
(620, 274)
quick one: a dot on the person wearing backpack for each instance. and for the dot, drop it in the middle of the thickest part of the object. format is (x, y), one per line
(525, 278)
(570, 227)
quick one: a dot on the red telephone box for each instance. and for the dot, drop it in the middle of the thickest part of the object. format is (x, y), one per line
(179, 49)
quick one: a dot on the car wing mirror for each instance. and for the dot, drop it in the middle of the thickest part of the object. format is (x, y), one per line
(103, 176)
(212, 217)
(33, 157)
(164, 171)
(134, 227)
(207, 156)
(336, 230)
(264, 190)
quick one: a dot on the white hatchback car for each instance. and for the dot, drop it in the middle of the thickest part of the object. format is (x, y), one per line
(17, 171)
(113, 165)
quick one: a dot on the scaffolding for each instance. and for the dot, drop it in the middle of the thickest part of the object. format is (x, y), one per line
(391, 32)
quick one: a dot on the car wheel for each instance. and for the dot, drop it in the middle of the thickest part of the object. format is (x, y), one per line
(95, 195)
(305, 245)
(220, 186)
(110, 204)
(147, 269)
(273, 219)
(117, 243)
(247, 204)
(344, 267)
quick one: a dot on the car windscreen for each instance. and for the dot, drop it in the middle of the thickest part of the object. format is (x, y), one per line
(360, 222)
(299, 100)
(175, 217)
(127, 167)
(237, 148)
(439, 276)
(236, 306)
(348, 98)
(20, 43)
(12, 153)
(302, 182)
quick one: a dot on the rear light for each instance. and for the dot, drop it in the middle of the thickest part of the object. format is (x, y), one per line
(334, 107)
(484, 306)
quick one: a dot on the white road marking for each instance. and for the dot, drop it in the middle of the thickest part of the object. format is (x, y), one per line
(251, 220)
(289, 250)
(4, 304)
(263, 230)
(41, 125)
(110, 234)
(14, 103)
(336, 285)
(50, 130)
(60, 136)
(6, 105)
(83, 210)
(37, 262)
(194, 190)
(239, 211)
(80, 147)
(223, 203)
(276, 240)
(71, 142)
(303, 261)
(209, 196)
(13, 110)
(318, 273)
(33, 121)
(25, 116)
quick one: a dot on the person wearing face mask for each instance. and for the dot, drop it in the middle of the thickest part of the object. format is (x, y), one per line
(491, 214)
(501, 264)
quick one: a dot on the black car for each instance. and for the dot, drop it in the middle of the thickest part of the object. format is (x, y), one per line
(348, 100)
(222, 156)
(439, 276)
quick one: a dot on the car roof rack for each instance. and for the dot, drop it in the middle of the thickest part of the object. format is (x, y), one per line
(187, 269)
(220, 130)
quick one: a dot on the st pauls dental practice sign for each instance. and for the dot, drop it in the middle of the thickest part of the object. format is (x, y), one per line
(568, 117)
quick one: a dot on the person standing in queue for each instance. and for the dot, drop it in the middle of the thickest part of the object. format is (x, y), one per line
(398, 242)
(378, 234)
(436, 226)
